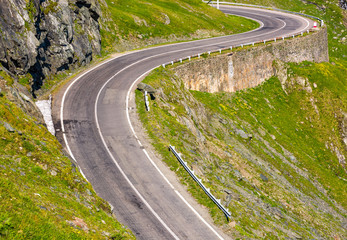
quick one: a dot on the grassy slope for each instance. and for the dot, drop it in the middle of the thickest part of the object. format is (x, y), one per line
(40, 190)
(36, 202)
(141, 23)
(329, 11)
(283, 125)
(294, 132)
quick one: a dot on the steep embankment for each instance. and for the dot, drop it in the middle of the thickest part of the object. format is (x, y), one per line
(42, 193)
(275, 154)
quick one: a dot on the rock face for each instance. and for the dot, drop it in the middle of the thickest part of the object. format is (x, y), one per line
(249, 68)
(43, 37)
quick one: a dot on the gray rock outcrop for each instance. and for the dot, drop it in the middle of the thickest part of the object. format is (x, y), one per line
(43, 37)
(145, 87)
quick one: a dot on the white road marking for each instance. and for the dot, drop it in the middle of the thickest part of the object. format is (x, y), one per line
(155, 165)
(121, 170)
(279, 12)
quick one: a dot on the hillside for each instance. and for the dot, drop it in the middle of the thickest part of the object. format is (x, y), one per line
(275, 154)
(133, 24)
(42, 193)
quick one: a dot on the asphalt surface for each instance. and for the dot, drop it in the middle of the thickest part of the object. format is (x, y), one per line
(98, 135)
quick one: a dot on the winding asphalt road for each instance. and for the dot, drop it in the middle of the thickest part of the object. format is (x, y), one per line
(96, 131)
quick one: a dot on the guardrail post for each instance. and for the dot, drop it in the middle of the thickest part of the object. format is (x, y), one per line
(242, 45)
(209, 52)
(163, 65)
(264, 41)
(220, 50)
(302, 34)
(180, 60)
(146, 101)
(199, 55)
(283, 38)
(189, 58)
(231, 47)
(172, 62)
(275, 39)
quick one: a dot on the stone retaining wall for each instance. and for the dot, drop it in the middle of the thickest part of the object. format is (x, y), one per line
(250, 67)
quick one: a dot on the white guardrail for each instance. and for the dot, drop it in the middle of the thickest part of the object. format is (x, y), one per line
(206, 190)
(251, 43)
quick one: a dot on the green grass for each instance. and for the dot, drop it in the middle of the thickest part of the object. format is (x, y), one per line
(334, 17)
(290, 121)
(294, 111)
(151, 22)
(40, 188)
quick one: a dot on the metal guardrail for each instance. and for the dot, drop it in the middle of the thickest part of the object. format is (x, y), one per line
(264, 7)
(196, 179)
(231, 47)
(246, 44)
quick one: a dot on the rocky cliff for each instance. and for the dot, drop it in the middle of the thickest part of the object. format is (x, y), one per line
(43, 37)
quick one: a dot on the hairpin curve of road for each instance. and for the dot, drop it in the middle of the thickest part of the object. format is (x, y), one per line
(98, 133)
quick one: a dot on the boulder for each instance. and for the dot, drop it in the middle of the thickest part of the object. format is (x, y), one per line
(8, 127)
(264, 178)
(241, 133)
(78, 223)
(145, 87)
